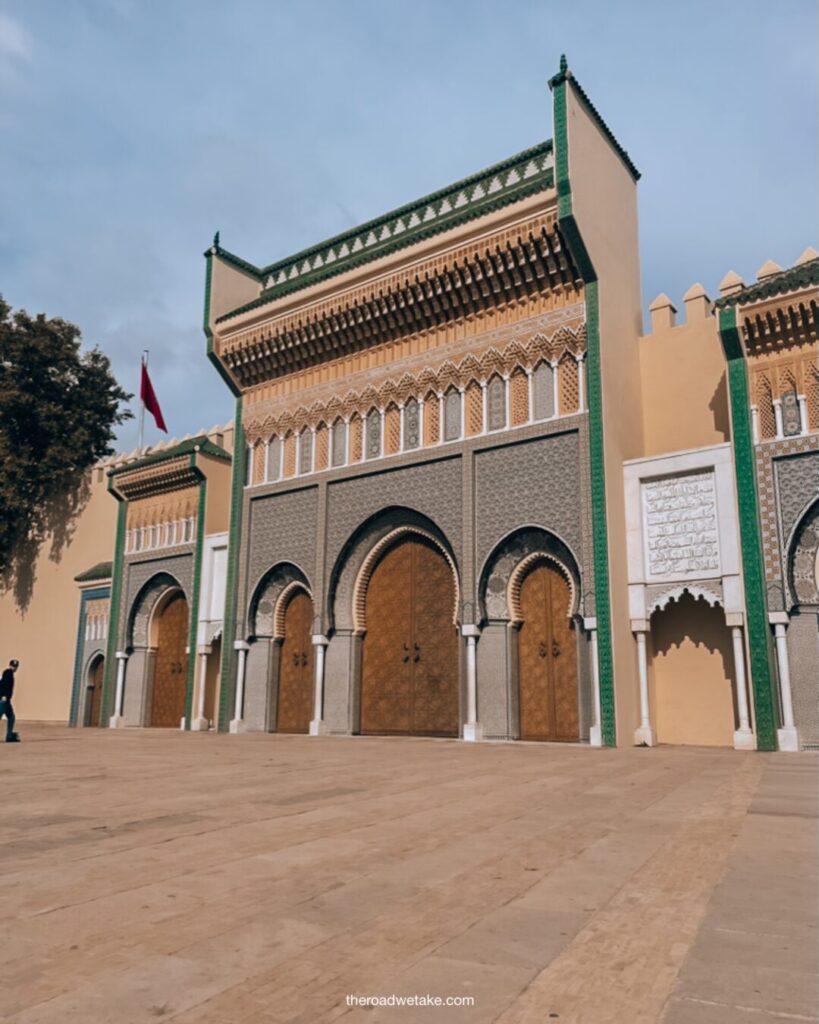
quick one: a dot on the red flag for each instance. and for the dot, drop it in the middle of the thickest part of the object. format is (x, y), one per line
(148, 396)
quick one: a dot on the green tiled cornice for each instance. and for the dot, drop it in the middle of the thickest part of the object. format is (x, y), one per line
(565, 75)
(791, 280)
(516, 178)
(100, 571)
(766, 705)
(188, 447)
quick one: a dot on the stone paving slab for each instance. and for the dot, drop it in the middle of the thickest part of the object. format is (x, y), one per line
(206, 879)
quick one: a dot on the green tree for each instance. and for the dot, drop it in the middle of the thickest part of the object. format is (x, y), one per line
(58, 410)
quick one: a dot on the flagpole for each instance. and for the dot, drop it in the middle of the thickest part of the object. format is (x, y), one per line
(143, 362)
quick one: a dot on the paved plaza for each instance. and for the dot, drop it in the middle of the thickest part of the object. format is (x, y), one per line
(159, 876)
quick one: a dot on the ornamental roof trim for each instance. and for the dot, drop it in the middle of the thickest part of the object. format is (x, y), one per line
(565, 75)
(509, 181)
(100, 571)
(800, 276)
(200, 443)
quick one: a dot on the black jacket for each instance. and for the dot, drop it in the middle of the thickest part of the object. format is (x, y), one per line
(7, 684)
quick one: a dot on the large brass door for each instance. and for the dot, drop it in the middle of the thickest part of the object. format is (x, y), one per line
(409, 672)
(547, 658)
(171, 666)
(295, 704)
(94, 697)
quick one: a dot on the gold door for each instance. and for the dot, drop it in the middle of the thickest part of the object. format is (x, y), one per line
(95, 697)
(409, 675)
(547, 658)
(295, 704)
(171, 665)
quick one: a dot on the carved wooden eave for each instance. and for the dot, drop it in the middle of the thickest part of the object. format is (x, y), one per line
(160, 478)
(785, 321)
(508, 267)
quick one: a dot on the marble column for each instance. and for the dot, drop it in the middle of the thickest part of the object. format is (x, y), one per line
(780, 424)
(644, 734)
(318, 726)
(200, 723)
(117, 720)
(596, 727)
(238, 723)
(787, 737)
(743, 737)
(473, 730)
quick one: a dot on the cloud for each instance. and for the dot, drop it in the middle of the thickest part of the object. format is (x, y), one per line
(15, 42)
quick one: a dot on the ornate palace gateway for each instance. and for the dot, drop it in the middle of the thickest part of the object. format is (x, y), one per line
(465, 496)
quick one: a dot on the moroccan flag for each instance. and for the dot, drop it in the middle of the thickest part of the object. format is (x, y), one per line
(148, 396)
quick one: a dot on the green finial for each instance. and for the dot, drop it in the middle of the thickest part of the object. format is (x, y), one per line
(216, 240)
(564, 66)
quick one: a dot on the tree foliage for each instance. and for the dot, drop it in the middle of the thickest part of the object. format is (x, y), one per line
(58, 410)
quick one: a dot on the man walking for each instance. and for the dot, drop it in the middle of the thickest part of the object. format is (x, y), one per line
(6, 693)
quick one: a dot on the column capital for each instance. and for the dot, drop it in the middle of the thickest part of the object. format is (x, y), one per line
(590, 623)
(241, 645)
(470, 630)
(319, 640)
(122, 656)
(734, 620)
(640, 626)
(779, 618)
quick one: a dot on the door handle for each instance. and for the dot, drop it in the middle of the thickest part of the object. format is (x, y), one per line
(543, 650)
(555, 649)
(417, 647)
(303, 658)
(406, 647)
(405, 659)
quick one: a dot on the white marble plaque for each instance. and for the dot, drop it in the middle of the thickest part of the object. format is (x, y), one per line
(680, 523)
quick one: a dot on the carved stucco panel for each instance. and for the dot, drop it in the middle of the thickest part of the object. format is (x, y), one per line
(537, 483)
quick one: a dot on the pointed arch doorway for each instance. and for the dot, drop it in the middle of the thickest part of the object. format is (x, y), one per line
(409, 668)
(295, 701)
(170, 682)
(547, 653)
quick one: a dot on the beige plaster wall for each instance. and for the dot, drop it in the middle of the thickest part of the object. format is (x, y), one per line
(43, 635)
(692, 685)
(217, 501)
(229, 288)
(683, 381)
(604, 199)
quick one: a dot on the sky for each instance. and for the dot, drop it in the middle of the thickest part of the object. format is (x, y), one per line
(131, 130)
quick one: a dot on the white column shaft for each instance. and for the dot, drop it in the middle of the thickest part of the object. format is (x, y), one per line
(780, 425)
(471, 681)
(803, 413)
(239, 705)
(784, 675)
(755, 422)
(581, 385)
(596, 730)
(742, 688)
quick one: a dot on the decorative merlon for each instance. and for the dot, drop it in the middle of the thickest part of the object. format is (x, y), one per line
(809, 254)
(663, 312)
(767, 269)
(697, 303)
(731, 283)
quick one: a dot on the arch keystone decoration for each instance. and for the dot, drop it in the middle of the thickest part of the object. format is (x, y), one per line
(368, 566)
